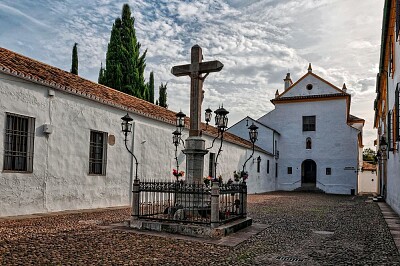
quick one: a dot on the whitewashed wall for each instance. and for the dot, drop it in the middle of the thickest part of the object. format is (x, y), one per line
(334, 144)
(368, 182)
(393, 160)
(60, 179)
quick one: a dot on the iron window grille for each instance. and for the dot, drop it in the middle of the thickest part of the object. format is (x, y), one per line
(397, 113)
(390, 130)
(258, 166)
(309, 123)
(98, 153)
(267, 166)
(18, 143)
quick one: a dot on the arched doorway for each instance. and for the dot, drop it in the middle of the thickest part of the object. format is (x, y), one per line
(308, 172)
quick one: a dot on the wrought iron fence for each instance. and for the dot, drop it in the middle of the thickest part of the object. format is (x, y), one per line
(174, 201)
(190, 203)
(232, 198)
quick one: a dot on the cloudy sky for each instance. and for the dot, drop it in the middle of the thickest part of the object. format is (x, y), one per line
(258, 41)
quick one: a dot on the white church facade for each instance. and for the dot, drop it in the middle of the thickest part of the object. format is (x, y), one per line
(61, 145)
(315, 140)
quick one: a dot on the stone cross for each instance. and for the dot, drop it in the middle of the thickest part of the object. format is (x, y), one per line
(195, 70)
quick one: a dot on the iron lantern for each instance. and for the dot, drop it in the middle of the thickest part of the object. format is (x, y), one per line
(221, 119)
(176, 136)
(383, 144)
(180, 121)
(126, 124)
(208, 115)
(253, 134)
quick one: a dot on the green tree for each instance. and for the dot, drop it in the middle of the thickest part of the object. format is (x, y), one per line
(101, 75)
(162, 98)
(151, 87)
(125, 66)
(74, 67)
(369, 155)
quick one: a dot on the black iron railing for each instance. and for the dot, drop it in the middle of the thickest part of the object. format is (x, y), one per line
(190, 203)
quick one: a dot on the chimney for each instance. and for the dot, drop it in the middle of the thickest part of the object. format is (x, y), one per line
(309, 68)
(344, 89)
(288, 81)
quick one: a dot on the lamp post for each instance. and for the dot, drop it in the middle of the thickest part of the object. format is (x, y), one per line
(253, 135)
(176, 137)
(221, 121)
(126, 129)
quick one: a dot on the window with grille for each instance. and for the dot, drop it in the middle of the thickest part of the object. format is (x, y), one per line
(397, 18)
(267, 166)
(397, 113)
(309, 123)
(258, 164)
(18, 143)
(211, 164)
(98, 153)
(289, 170)
(390, 130)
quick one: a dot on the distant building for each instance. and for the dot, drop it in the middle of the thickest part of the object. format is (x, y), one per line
(387, 107)
(315, 140)
(61, 145)
(368, 180)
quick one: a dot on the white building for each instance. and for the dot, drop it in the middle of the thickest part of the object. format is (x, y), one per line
(319, 143)
(62, 147)
(387, 106)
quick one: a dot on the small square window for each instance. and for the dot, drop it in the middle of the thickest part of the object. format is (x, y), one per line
(289, 170)
(328, 171)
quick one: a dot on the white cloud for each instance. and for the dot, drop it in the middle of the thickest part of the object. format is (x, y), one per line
(258, 41)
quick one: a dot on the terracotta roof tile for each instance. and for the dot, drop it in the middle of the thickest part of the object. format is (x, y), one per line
(29, 69)
(368, 166)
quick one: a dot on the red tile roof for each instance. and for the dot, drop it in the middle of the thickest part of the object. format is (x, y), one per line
(368, 166)
(14, 64)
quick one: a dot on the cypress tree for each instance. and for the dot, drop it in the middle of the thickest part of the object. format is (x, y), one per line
(151, 87)
(74, 67)
(125, 66)
(162, 99)
(101, 75)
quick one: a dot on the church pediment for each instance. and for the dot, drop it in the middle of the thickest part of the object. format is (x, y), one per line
(310, 85)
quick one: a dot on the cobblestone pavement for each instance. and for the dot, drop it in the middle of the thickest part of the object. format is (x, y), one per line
(303, 229)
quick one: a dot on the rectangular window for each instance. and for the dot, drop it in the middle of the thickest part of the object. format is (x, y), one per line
(328, 171)
(267, 166)
(309, 123)
(390, 130)
(18, 143)
(397, 114)
(211, 164)
(289, 170)
(397, 18)
(258, 164)
(98, 153)
(276, 169)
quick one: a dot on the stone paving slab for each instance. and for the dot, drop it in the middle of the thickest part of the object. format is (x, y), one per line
(393, 222)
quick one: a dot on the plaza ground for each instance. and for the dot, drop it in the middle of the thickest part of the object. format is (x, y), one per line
(301, 229)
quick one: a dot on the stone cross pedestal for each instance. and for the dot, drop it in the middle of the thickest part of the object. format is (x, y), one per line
(195, 145)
